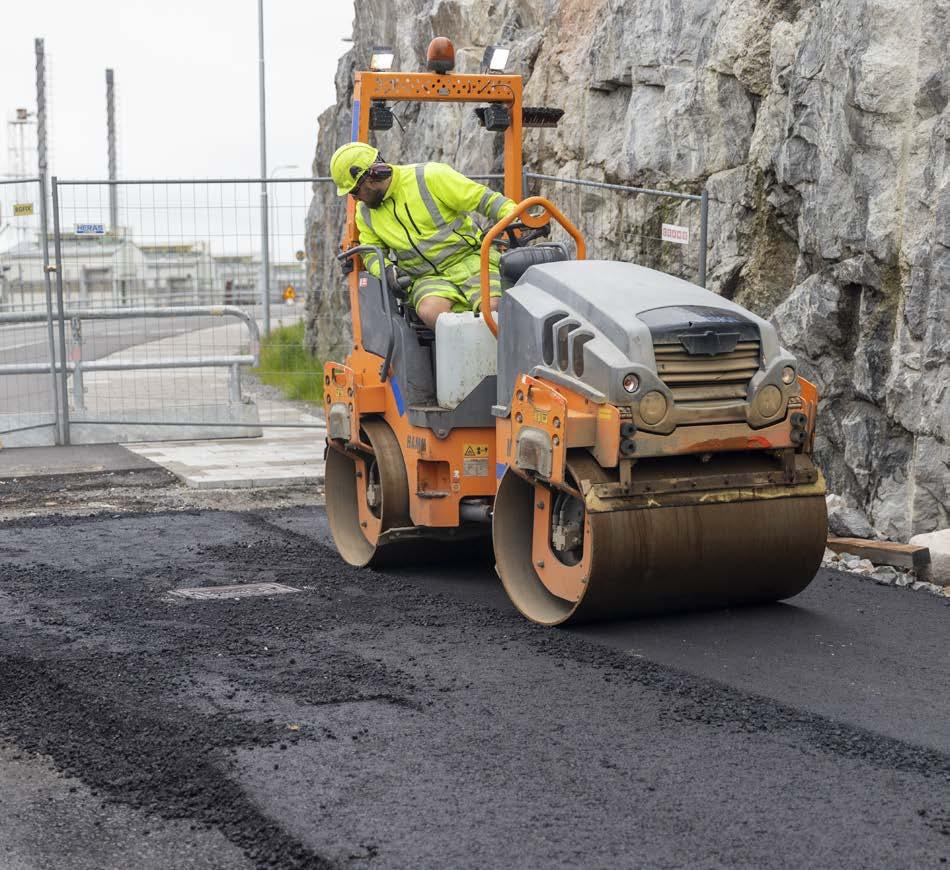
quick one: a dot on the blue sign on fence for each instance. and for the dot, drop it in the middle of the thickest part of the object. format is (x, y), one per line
(90, 229)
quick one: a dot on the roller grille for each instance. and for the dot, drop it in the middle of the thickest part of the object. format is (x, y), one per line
(707, 378)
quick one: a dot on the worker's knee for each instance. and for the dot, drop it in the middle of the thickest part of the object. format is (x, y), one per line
(430, 307)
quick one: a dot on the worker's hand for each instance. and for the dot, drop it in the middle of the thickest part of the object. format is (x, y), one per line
(398, 282)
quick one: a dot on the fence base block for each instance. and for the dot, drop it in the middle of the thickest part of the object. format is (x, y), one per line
(27, 430)
(230, 420)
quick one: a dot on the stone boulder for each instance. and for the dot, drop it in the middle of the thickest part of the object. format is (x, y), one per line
(846, 521)
(939, 545)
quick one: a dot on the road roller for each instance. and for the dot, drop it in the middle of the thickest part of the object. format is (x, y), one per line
(625, 441)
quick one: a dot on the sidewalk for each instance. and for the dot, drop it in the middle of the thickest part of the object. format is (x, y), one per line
(278, 457)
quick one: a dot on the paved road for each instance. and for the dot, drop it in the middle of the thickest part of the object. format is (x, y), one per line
(411, 719)
(29, 343)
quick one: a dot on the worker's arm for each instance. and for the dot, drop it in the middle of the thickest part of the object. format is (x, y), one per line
(368, 237)
(461, 194)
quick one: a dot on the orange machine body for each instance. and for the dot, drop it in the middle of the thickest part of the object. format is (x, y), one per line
(442, 469)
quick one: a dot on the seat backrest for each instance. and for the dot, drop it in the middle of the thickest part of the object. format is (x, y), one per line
(517, 261)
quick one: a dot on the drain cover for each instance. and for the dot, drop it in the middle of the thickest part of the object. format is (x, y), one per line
(245, 590)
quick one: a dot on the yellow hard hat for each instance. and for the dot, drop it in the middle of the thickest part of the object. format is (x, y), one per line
(349, 162)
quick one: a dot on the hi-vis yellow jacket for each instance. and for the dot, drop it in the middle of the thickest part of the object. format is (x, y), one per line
(424, 222)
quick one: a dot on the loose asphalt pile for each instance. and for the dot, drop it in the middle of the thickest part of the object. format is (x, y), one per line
(402, 719)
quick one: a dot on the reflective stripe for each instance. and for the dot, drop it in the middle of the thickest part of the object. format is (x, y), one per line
(494, 213)
(483, 202)
(428, 286)
(427, 199)
(364, 213)
(448, 252)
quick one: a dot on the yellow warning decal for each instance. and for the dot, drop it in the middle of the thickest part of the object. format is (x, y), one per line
(475, 451)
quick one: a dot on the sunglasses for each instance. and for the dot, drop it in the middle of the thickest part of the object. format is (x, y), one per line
(355, 189)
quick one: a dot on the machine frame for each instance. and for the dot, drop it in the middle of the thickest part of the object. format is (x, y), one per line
(552, 449)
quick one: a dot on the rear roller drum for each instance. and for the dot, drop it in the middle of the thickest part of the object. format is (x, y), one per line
(367, 494)
(560, 563)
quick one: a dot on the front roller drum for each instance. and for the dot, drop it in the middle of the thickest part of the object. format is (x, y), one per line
(368, 494)
(560, 563)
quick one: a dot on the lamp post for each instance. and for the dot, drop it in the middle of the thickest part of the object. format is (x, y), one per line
(265, 235)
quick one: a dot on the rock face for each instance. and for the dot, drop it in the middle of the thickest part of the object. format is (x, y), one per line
(820, 130)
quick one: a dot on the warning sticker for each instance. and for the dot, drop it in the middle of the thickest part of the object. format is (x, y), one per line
(475, 467)
(474, 451)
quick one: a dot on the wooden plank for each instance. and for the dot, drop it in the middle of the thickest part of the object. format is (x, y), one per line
(882, 552)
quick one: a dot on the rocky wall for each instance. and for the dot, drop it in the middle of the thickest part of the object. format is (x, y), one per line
(820, 130)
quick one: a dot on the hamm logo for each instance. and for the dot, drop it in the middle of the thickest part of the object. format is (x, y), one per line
(416, 442)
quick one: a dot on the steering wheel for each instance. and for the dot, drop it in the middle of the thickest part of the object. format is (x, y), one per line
(528, 234)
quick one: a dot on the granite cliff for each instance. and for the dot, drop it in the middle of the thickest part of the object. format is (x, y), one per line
(820, 130)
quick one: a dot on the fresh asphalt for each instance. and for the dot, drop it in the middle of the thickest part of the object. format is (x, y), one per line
(409, 718)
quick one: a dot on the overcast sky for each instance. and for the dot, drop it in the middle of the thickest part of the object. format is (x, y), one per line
(186, 81)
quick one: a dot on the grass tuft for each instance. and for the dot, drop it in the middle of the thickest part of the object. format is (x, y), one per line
(289, 366)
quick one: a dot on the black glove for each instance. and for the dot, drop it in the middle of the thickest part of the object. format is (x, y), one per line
(398, 282)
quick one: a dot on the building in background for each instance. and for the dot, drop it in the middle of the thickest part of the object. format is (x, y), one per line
(113, 270)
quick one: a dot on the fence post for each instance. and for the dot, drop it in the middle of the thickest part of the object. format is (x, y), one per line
(47, 270)
(703, 226)
(42, 165)
(234, 384)
(61, 312)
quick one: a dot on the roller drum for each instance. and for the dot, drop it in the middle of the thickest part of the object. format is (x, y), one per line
(658, 559)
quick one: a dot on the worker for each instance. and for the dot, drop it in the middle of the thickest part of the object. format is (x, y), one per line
(420, 214)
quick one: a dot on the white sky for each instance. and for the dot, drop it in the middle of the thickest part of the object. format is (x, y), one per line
(186, 81)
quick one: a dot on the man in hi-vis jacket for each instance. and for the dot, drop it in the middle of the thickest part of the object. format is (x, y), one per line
(420, 214)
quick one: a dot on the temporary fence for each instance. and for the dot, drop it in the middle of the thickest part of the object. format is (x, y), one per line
(29, 404)
(135, 314)
(149, 290)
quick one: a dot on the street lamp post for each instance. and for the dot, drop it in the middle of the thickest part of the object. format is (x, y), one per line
(265, 235)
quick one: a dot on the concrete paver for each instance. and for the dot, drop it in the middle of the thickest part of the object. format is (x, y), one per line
(281, 456)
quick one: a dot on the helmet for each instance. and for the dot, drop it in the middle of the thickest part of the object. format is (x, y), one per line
(349, 162)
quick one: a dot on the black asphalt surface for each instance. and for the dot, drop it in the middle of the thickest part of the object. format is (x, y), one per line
(411, 719)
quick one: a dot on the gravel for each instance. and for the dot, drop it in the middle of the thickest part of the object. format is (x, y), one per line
(885, 575)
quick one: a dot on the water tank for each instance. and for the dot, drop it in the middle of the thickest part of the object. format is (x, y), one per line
(465, 352)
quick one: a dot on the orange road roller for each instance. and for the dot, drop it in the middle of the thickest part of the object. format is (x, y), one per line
(631, 442)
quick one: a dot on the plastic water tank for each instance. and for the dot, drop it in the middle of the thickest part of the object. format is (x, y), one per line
(465, 352)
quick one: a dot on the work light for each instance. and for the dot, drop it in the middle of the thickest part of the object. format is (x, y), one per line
(382, 58)
(495, 59)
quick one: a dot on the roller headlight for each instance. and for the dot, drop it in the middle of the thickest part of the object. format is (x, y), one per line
(653, 407)
(788, 375)
(631, 383)
(769, 401)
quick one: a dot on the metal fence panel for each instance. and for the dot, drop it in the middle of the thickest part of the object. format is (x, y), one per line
(156, 312)
(191, 249)
(29, 413)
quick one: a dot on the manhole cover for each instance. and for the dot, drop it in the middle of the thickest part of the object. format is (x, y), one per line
(245, 590)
